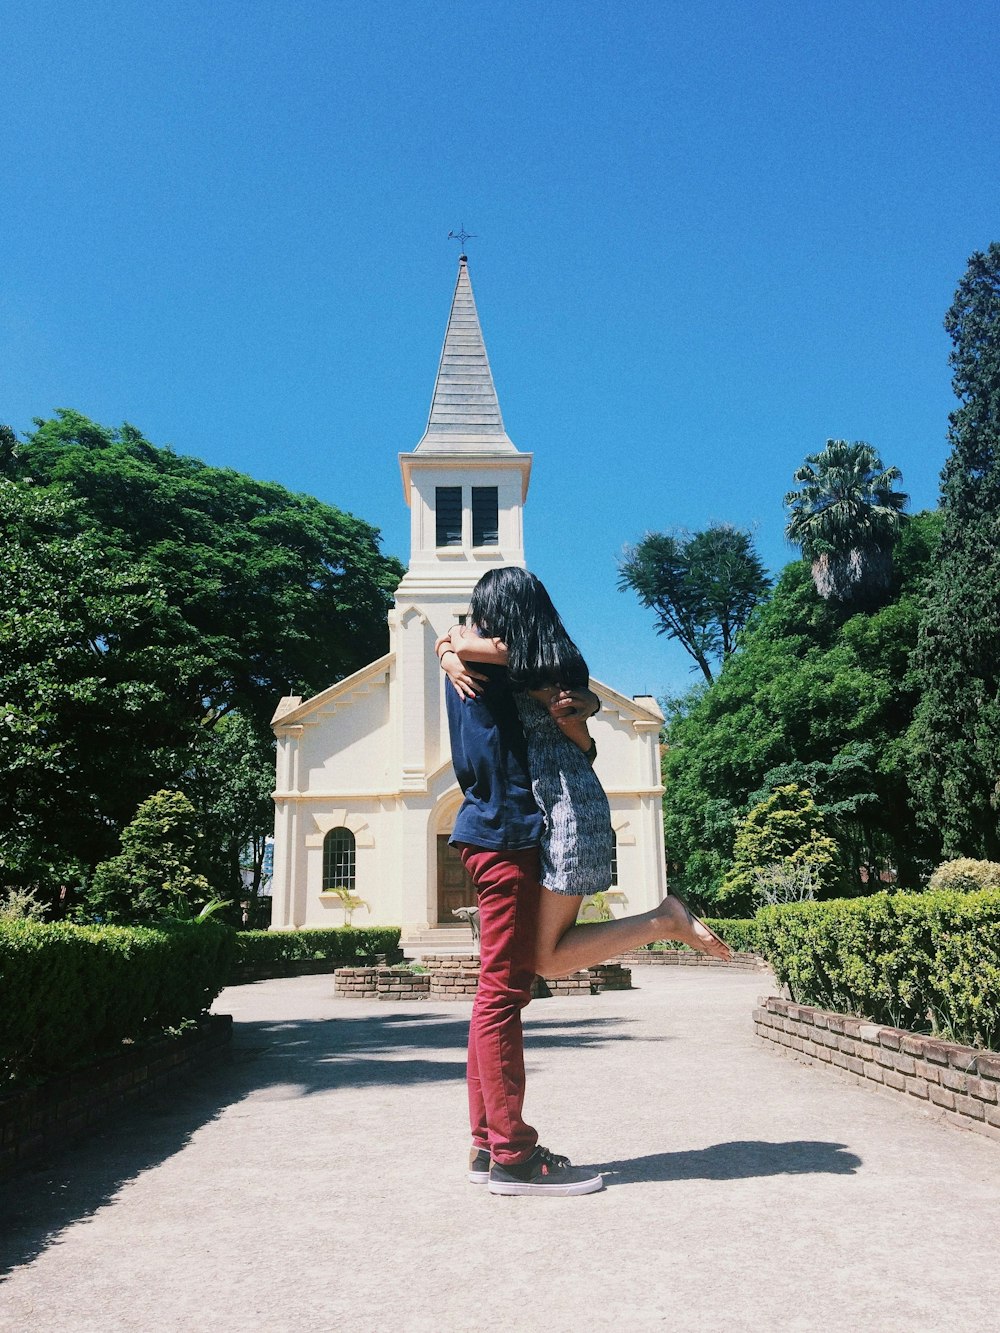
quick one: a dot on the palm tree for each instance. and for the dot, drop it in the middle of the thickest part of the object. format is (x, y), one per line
(845, 516)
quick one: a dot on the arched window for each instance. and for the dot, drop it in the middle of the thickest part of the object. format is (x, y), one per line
(614, 859)
(338, 860)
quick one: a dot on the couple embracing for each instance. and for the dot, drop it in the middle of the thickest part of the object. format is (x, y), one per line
(534, 833)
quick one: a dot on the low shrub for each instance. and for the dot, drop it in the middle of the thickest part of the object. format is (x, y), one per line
(741, 935)
(73, 993)
(342, 944)
(966, 875)
(21, 905)
(925, 961)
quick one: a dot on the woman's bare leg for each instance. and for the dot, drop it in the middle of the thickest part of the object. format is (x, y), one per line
(565, 947)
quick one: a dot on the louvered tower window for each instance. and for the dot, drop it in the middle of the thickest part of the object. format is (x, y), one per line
(485, 516)
(448, 514)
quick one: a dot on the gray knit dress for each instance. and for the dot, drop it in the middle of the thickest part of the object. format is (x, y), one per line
(577, 840)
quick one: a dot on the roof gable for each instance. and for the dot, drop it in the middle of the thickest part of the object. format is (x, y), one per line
(292, 710)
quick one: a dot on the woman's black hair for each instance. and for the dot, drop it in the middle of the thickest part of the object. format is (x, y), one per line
(512, 605)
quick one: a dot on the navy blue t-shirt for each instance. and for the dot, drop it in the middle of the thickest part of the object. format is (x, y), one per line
(490, 756)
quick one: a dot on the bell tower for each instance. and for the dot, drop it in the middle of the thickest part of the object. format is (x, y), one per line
(465, 482)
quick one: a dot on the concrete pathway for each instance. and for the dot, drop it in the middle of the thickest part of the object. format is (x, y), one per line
(317, 1183)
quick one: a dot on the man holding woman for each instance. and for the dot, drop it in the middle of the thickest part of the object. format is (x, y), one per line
(534, 834)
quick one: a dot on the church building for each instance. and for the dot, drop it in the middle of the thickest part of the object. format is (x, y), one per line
(365, 795)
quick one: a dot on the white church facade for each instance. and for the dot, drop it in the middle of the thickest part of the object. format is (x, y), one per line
(365, 794)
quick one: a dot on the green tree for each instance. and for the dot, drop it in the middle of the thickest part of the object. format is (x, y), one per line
(955, 740)
(845, 517)
(819, 696)
(87, 717)
(702, 586)
(785, 829)
(156, 874)
(147, 597)
(275, 593)
(230, 782)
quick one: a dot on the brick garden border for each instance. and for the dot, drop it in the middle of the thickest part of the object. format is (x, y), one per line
(456, 977)
(741, 962)
(67, 1108)
(961, 1082)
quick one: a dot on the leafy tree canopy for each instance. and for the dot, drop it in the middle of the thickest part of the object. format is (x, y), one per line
(276, 592)
(88, 716)
(955, 740)
(702, 586)
(148, 596)
(230, 780)
(816, 696)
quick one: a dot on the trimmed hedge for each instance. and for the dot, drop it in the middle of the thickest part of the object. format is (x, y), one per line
(341, 944)
(742, 936)
(923, 961)
(69, 994)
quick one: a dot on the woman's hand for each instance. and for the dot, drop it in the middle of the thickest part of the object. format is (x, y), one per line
(577, 705)
(569, 710)
(467, 682)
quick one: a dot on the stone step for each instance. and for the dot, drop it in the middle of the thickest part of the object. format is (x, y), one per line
(444, 940)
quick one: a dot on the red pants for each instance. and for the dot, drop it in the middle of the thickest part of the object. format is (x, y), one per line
(508, 888)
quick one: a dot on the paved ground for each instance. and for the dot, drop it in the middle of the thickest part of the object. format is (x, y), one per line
(318, 1183)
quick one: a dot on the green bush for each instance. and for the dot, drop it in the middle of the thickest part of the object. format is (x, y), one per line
(925, 961)
(341, 944)
(155, 875)
(74, 993)
(966, 876)
(741, 935)
(21, 905)
(785, 829)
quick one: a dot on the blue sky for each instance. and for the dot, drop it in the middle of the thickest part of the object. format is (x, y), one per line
(708, 239)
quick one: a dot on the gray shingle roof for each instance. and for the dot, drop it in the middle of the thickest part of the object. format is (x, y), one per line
(465, 413)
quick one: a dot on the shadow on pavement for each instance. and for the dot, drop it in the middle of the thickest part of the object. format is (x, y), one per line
(283, 1059)
(736, 1161)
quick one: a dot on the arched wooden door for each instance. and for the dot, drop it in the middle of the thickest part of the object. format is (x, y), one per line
(454, 884)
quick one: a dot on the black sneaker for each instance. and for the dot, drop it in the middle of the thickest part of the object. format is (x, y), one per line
(544, 1173)
(480, 1163)
(479, 1166)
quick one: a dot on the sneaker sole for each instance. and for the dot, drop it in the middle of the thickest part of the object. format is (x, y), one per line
(509, 1187)
(479, 1177)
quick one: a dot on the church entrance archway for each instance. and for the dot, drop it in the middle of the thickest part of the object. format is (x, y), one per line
(454, 885)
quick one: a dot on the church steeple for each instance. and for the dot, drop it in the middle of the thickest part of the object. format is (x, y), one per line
(466, 481)
(465, 411)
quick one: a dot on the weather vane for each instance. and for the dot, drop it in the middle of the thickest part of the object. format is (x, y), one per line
(461, 235)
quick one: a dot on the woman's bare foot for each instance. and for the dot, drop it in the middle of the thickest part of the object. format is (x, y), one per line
(680, 923)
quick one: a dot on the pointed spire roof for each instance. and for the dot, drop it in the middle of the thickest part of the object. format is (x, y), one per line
(465, 412)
